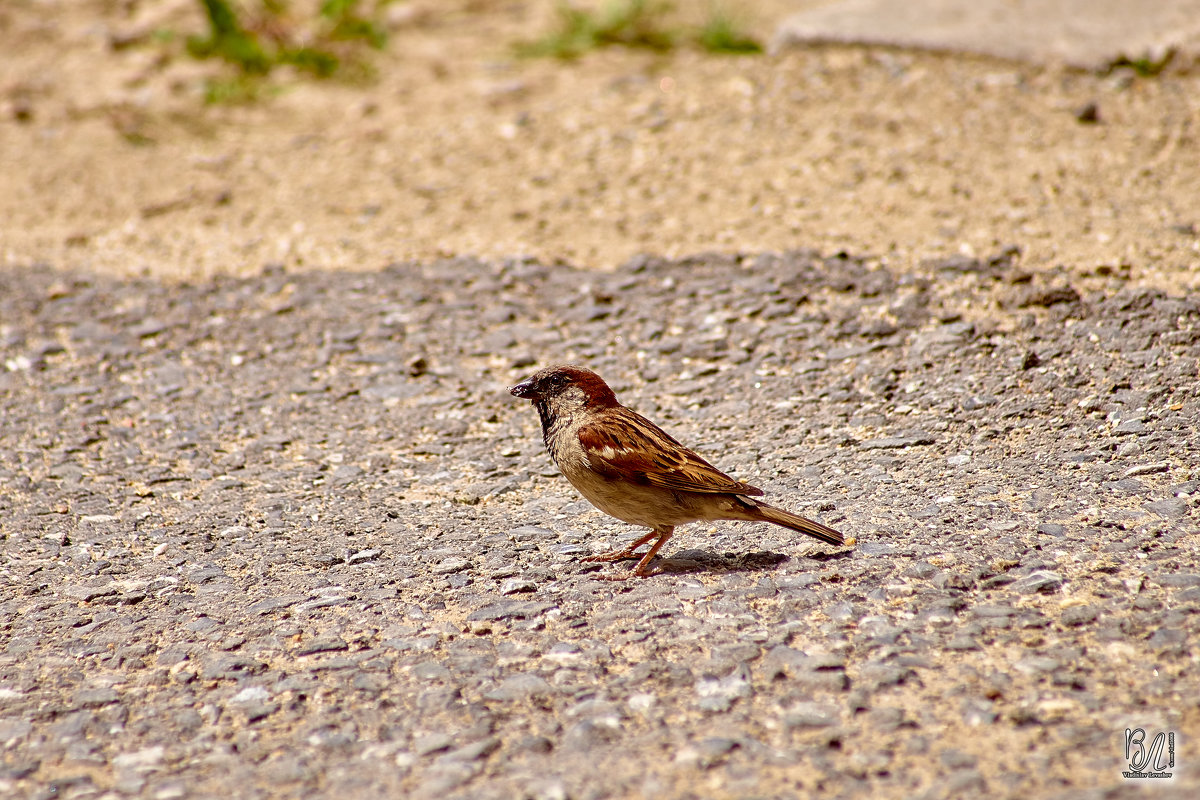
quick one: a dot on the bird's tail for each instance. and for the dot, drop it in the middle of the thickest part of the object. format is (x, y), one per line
(798, 523)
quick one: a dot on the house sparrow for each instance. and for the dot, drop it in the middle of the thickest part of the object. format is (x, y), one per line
(628, 467)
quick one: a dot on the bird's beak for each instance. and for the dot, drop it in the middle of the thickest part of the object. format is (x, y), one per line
(524, 389)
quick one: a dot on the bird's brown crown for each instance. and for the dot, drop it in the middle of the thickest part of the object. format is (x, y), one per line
(552, 382)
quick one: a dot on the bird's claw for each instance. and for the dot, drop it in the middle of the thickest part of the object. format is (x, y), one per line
(615, 555)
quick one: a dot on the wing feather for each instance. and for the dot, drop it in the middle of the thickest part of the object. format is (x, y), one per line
(627, 444)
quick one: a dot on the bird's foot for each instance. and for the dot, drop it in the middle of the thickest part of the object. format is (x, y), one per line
(615, 555)
(627, 551)
(642, 570)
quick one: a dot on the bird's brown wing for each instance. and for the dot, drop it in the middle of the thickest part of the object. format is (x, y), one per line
(626, 444)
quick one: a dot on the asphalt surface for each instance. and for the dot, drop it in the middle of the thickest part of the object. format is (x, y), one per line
(289, 535)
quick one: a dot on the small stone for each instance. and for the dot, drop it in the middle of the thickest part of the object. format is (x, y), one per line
(922, 570)
(431, 671)
(231, 666)
(966, 783)
(951, 580)
(362, 555)
(962, 642)
(1181, 580)
(547, 789)
(928, 512)
(96, 698)
(1035, 664)
(566, 654)
(476, 751)
(1088, 113)
(1168, 638)
(1171, 508)
(706, 753)
(719, 694)
(89, 593)
(534, 744)
(878, 676)
(888, 718)
(415, 644)
(811, 715)
(823, 672)
(449, 566)
(642, 702)
(1046, 296)
(315, 646)
(589, 735)
(273, 604)
(1074, 616)
(916, 439)
(508, 609)
(345, 475)
(517, 586)
(432, 743)
(978, 711)
(1130, 427)
(522, 686)
(1051, 529)
(526, 532)
(978, 401)
(251, 694)
(1147, 469)
(1040, 581)
(939, 616)
(255, 711)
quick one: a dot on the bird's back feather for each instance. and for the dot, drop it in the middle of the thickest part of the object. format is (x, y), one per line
(623, 445)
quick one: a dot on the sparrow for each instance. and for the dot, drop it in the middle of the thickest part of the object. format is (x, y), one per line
(631, 469)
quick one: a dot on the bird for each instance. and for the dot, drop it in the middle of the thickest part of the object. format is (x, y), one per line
(631, 469)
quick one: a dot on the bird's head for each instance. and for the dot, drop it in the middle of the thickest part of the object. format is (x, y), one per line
(566, 387)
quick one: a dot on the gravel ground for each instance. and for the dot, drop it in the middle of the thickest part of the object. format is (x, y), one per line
(288, 535)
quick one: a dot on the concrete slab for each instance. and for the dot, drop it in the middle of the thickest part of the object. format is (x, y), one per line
(1089, 34)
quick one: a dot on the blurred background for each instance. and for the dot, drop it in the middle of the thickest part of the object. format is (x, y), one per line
(185, 138)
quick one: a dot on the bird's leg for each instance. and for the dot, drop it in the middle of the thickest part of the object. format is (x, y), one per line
(617, 555)
(640, 570)
(663, 533)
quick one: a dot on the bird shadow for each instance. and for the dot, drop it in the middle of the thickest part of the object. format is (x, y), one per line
(690, 561)
(687, 562)
(832, 555)
(695, 560)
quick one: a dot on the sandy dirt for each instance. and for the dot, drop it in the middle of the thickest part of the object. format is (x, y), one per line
(112, 161)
